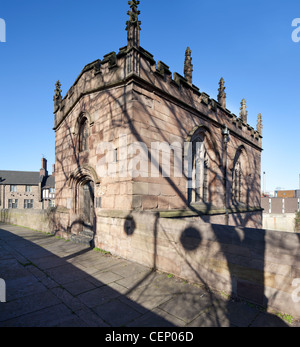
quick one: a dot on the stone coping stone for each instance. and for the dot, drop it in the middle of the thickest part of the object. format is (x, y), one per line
(200, 210)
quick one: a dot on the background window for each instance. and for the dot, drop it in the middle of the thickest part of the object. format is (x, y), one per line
(13, 188)
(28, 203)
(12, 203)
(28, 189)
(52, 193)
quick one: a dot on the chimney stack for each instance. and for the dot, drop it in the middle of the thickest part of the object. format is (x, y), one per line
(53, 170)
(43, 170)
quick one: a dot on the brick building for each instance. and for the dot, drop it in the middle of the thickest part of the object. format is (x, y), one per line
(27, 190)
(110, 118)
(285, 193)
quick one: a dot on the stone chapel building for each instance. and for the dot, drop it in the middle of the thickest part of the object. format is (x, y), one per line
(128, 98)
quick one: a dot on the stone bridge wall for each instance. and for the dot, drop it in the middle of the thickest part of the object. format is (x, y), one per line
(257, 265)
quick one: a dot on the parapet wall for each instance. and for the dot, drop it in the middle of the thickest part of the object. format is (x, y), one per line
(257, 265)
(47, 221)
(282, 222)
(40, 220)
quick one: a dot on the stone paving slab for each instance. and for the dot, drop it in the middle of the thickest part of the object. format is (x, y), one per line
(116, 313)
(47, 317)
(156, 318)
(51, 282)
(186, 307)
(27, 304)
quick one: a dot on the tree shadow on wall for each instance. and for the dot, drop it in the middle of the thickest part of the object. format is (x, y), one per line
(220, 260)
(230, 240)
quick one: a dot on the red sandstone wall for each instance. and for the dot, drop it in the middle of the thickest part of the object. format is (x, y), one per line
(161, 111)
(155, 118)
(257, 265)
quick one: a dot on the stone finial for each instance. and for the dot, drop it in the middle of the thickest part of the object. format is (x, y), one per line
(222, 94)
(188, 66)
(259, 126)
(133, 25)
(243, 113)
(57, 96)
(133, 13)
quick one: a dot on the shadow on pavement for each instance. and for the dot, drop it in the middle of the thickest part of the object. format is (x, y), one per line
(51, 282)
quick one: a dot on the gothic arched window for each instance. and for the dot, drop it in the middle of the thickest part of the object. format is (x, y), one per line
(198, 173)
(83, 135)
(237, 182)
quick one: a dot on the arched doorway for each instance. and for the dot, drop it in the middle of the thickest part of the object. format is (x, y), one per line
(84, 227)
(86, 207)
(83, 221)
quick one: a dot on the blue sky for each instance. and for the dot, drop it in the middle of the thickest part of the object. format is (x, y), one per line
(248, 43)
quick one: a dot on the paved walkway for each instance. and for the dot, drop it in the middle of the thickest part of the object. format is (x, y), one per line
(51, 282)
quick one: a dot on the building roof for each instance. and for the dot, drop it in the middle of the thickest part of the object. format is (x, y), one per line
(49, 182)
(25, 178)
(19, 177)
